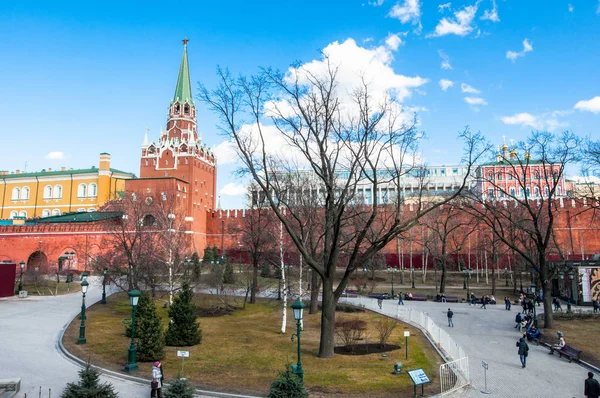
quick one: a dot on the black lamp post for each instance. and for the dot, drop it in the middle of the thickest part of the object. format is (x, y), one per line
(392, 270)
(412, 277)
(467, 273)
(365, 276)
(103, 301)
(506, 274)
(21, 265)
(132, 365)
(533, 291)
(298, 307)
(84, 288)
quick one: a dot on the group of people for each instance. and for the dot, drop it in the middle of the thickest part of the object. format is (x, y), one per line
(485, 300)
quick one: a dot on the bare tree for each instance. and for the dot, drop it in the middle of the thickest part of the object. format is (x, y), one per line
(450, 229)
(346, 140)
(523, 218)
(257, 236)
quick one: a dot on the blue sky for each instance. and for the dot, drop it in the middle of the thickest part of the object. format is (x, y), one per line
(79, 78)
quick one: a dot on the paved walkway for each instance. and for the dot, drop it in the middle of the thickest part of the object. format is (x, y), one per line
(29, 330)
(488, 335)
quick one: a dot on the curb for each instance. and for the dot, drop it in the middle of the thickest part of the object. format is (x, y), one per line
(124, 377)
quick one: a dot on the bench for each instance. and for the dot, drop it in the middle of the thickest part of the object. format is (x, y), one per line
(417, 297)
(382, 296)
(452, 299)
(569, 352)
(10, 385)
(351, 293)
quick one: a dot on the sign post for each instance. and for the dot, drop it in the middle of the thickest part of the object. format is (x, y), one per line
(406, 335)
(183, 355)
(418, 377)
(485, 368)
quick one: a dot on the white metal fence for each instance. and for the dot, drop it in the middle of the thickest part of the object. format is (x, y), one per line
(454, 375)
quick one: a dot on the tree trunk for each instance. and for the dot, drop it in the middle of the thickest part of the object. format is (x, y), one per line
(547, 306)
(254, 282)
(443, 279)
(326, 344)
(315, 282)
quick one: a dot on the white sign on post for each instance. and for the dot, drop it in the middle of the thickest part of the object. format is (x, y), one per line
(183, 354)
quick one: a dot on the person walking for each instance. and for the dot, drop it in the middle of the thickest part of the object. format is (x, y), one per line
(450, 315)
(483, 302)
(596, 305)
(156, 383)
(523, 351)
(400, 300)
(591, 387)
(379, 301)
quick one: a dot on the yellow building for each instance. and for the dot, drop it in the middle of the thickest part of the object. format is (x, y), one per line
(54, 192)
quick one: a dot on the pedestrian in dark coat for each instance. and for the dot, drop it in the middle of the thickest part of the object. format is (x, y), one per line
(523, 351)
(591, 387)
(518, 319)
(450, 314)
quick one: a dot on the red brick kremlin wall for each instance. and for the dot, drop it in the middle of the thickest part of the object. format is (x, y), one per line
(578, 234)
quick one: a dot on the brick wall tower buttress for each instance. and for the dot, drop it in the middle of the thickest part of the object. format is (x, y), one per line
(180, 152)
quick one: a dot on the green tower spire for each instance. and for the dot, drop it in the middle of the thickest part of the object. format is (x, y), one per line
(183, 90)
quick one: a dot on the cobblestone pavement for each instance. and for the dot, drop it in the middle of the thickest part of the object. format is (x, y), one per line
(29, 329)
(489, 335)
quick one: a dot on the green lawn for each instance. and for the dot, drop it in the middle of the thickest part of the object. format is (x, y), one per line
(243, 351)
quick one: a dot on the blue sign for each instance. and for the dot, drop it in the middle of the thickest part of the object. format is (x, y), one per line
(418, 376)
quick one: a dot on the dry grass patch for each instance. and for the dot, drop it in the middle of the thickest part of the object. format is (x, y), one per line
(242, 352)
(579, 333)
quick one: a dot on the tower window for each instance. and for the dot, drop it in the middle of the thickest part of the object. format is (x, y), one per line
(186, 109)
(146, 163)
(177, 108)
(81, 191)
(93, 190)
(166, 162)
(48, 192)
(16, 193)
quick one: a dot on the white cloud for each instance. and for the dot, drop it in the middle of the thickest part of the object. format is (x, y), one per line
(226, 153)
(491, 15)
(393, 42)
(409, 11)
(55, 155)
(571, 8)
(545, 121)
(233, 189)
(527, 47)
(445, 60)
(371, 64)
(475, 101)
(465, 88)
(376, 3)
(592, 105)
(444, 6)
(445, 84)
(459, 25)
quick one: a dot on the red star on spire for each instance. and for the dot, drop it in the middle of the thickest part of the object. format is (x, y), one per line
(185, 41)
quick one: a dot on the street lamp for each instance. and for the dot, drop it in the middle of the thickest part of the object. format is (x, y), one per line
(84, 276)
(103, 301)
(412, 276)
(84, 288)
(467, 273)
(187, 262)
(406, 335)
(533, 290)
(506, 274)
(365, 276)
(298, 307)
(132, 366)
(21, 265)
(392, 270)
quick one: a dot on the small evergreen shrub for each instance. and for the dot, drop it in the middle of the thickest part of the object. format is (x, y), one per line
(183, 329)
(149, 331)
(287, 385)
(89, 386)
(228, 276)
(179, 388)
